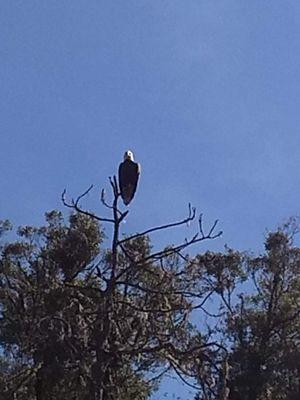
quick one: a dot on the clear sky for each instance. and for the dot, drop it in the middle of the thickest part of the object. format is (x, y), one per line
(205, 92)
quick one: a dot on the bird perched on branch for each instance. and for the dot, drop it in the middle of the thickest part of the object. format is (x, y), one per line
(129, 172)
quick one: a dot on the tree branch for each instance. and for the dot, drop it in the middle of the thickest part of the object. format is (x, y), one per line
(74, 204)
(190, 217)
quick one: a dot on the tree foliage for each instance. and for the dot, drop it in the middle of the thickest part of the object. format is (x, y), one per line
(265, 326)
(261, 329)
(83, 321)
(79, 321)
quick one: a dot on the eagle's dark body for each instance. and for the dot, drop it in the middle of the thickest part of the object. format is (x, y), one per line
(129, 172)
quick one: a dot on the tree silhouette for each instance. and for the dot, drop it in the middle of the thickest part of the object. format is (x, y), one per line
(79, 321)
(260, 329)
(82, 322)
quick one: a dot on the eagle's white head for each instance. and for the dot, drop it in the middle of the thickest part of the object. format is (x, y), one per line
(128, 155)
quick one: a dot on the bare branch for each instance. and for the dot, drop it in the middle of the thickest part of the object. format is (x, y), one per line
(200, 225)
(213, 227)
(111, 207)
(114, 185)
(103, 201)
(158, 376)
(175, 249)
(190, 217)
(179, 374)
(74, 204)
(83, 195)
(203, 301)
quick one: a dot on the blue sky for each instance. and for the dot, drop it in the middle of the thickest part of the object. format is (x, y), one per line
(206, 94)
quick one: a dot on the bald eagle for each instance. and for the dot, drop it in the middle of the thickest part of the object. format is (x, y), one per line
(129, 172)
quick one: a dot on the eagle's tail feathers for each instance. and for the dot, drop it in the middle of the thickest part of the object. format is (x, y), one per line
(127, 194)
